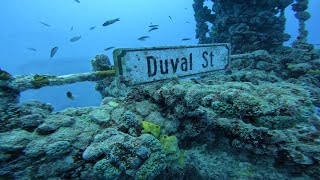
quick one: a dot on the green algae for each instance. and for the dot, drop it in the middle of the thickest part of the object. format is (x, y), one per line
(314, 72)
(41, 80)
(4, 76)
(105, 74)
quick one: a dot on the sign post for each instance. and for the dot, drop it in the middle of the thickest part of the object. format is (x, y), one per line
(141, 65)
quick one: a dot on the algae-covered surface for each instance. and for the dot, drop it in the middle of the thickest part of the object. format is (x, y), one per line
(256, 119)
(216, 127)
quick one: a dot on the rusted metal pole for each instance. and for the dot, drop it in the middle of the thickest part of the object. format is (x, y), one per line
(25, 82)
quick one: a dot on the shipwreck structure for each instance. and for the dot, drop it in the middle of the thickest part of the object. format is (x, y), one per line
(249, 25)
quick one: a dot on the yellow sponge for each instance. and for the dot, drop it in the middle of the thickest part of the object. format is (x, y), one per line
(170, 144)
(149, 127)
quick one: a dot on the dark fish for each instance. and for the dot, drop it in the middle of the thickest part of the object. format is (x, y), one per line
(109, 22)
(152, 29)
(77, 1)
(187, 22)
(45, 24)
(71, 29)
(75, 38)
(53, 51)
(170, 17)
(32, 49)
(153, 25)
(186, 39)
(108, 48)
(92, 28)
(69, 95)
(142, 38)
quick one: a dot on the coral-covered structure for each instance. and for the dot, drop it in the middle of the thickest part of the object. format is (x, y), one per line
(248, 25)
(300, 7)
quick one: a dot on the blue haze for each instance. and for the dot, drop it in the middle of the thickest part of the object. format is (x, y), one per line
(20, 29)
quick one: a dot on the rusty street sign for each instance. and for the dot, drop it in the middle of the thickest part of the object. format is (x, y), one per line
(141, 65)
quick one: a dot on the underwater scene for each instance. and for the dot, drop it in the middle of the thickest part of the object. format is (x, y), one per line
(160, 89)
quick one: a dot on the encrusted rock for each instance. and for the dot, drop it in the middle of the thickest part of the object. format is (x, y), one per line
(53, 123)
(15, 141)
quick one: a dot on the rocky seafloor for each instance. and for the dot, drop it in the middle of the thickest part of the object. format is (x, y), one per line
(256, 121)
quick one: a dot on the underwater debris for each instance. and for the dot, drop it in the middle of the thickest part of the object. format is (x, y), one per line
(152, 29)
(109, 22)
(242, 31)
(32, 49)
(53, 51)
(108, 48)
(143, 38)
(75, 38)
(22, 83)
(69, 95)
(45, 24)
(300, 8)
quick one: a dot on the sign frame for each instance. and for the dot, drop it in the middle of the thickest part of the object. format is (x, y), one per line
(119, 55)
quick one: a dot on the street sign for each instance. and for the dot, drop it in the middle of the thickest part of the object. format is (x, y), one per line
(142, 65)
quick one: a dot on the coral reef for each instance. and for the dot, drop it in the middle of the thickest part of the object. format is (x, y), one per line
(248, 130)
(248, 25)
(300, 7)
(106, 86)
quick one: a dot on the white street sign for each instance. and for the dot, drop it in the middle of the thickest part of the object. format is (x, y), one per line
(142, 65)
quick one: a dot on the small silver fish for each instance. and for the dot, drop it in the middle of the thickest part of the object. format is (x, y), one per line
(92, 28)
(53, 51)
(152, 29)
(109, 22)
(45, 24)
(32, 49)
(108, 48)
(75, 38)
(186, 39)
(142, 38)
(153, 25)
(77, 1)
